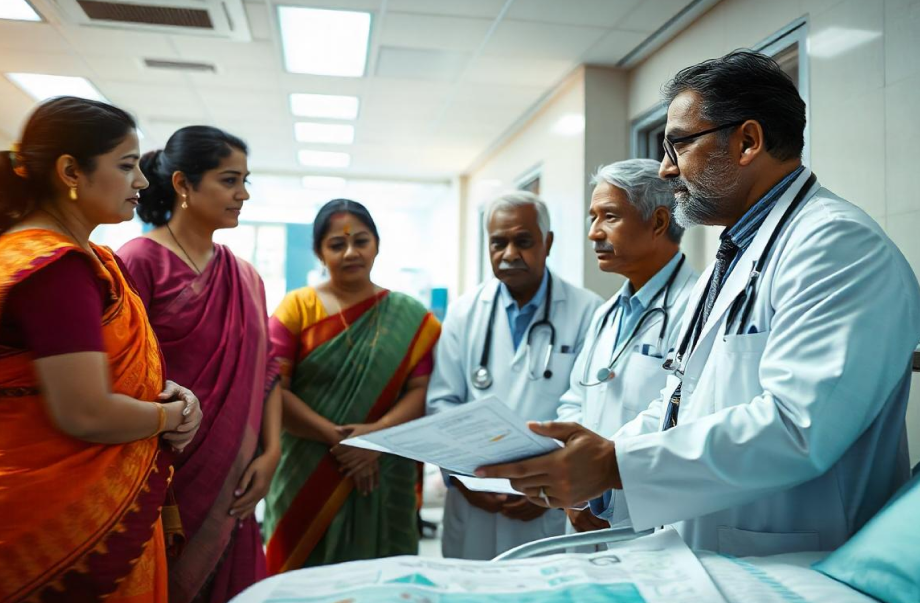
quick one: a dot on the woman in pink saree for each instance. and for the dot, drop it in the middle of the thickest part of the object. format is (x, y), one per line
(207, 308)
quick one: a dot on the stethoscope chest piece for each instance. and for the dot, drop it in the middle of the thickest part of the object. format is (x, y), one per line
(482, 378)
(605, 374)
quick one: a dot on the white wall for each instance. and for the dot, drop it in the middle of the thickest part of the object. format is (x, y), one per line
(560, 156)
(865, 82)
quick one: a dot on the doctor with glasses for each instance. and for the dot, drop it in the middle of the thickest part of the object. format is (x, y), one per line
(619, 370)
(515, 337)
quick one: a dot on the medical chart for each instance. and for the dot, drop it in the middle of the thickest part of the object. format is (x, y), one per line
(494, 485)
(655, 569)
(462, 439)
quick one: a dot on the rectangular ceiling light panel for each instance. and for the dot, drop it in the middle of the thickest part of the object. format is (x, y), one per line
(324, 42)
(326, 106)
(18, 10)
(42, 87)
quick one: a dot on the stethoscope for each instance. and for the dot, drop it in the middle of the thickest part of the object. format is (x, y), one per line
(744, 302)
(482, 376)
(606, 373)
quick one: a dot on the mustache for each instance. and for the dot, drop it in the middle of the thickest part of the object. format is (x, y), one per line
(678, 186)
(514, 265)
(603, 246)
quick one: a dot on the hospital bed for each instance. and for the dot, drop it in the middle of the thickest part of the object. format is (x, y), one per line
(882, 559)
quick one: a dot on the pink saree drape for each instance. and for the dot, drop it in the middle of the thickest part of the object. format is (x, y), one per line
(213, 332)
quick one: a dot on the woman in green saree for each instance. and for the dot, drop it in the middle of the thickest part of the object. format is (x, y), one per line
(355, 358)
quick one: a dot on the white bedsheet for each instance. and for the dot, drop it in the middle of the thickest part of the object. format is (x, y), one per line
(784, 578)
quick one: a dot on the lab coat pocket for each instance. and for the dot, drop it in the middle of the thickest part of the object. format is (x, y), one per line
(745, 345)
(561, 364)
(747, 543)
(642, 378)
(738, 377)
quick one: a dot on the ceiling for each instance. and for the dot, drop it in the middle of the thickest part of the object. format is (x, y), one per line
(445, 78)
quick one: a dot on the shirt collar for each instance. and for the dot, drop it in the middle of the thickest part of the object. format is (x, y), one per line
(509, 303)
(744, 230)
(644, 295)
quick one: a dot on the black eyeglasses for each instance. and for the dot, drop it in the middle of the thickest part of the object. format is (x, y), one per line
(668, 143)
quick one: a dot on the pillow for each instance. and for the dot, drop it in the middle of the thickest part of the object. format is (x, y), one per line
(883, 558)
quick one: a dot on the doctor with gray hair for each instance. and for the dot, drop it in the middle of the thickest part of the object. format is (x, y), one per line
(619, 371)
(515, 337)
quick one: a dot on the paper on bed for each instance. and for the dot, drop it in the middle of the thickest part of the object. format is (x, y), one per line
(654, 569)
(462, 439)
(488, 484)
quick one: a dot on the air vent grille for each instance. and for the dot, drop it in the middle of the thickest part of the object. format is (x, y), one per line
(147, 15)
(180, 65)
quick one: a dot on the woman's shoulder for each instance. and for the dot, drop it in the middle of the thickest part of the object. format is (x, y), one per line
(300, 308)
(406, 301)
(141, 249)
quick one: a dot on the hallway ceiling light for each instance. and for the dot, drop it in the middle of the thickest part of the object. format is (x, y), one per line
(324, 133)
(328, 159)
(42, 87)
(324, 183)
(18, 10)
(324, 42)
(327, 106)
(570, 124)
(835, 41)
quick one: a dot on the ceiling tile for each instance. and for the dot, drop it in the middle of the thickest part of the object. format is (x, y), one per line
(261, 25)
(615, 45)
(596, 13)
(652, 14)
(542, 40)
(433, 32)
(464, 8)
(517, 71)
(44, 62)
(415, 64)
(107, 41)
(22, 36)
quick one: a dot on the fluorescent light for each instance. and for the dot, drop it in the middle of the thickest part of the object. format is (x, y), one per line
(42, 87)
(834, 41)
(324, 133)
(570, 124)
(18, 10)
(324, 159)
(327, 106)
(324, 42)
(324, 183)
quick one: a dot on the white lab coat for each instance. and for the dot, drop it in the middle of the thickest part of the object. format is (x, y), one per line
(639, 376)
(469, 532)
(792, 436)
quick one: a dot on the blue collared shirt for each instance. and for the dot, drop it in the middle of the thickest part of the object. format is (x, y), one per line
(745, 229)
(633, 305)
(520, 318)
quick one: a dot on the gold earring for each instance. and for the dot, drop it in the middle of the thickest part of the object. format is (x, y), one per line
(184, 202)
(73, 193)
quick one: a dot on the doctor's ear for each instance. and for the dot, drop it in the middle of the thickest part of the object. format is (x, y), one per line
(752, 141)
(549, 241)
(661, 220)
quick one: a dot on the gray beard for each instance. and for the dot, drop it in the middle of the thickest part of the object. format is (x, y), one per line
(706, 201)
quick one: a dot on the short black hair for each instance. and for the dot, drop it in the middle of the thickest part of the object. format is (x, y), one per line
(323, 220)
(66, 125)
(193, 150)
(746, 85)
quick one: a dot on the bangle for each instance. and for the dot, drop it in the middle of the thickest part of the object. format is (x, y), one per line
(161, 420)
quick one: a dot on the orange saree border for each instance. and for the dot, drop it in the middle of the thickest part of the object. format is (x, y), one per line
(331, 326)
(87, 547)
(319, 500)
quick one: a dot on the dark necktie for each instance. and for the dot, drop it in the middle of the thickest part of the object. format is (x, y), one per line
(724, 257)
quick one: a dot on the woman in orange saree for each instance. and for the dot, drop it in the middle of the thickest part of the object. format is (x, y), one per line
(355, 358)
(83, 476)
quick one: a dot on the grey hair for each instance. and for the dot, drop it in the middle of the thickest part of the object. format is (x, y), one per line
(519, 199)
(643, 187)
